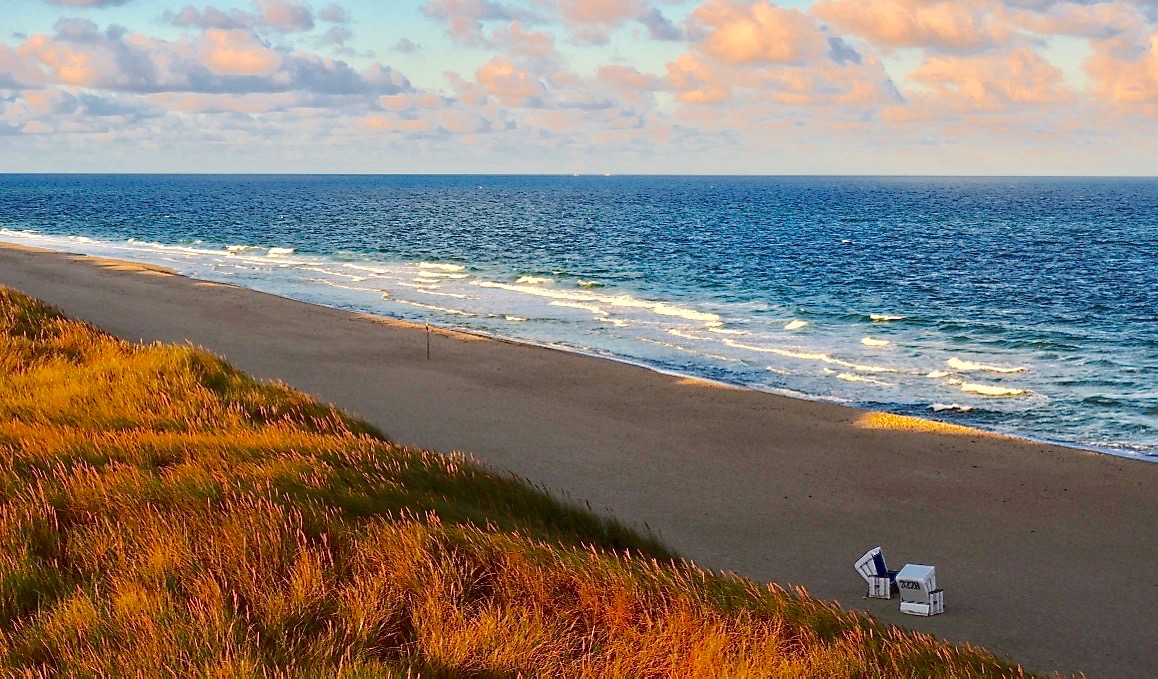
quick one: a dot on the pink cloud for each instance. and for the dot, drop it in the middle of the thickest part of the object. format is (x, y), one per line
(695, 82)
(464, 18)
(956, 25)
(756, 32)
(756, 55)
(510, 84)
(515, 40)
(17, 70)
(1129, 81)
(626, 78)
(993, 81)
(257, 103)
(237, 52)
(67, 65)
(286, 15)
(605, 12)
(1098, 21)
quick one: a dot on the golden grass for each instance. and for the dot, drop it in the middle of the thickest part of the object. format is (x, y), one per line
(163, 514)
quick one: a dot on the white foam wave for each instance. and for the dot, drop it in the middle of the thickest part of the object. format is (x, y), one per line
(885, 318)
(970, 366)
(626, 301)
(281, 252)
(938, 374)
(726, 331)
(576, 305)
(429, 291)
(589, 284)
(535, 280)
(328, 272)
(849, 377)
(231, 249)
(938, 407)
(796, 325)
(431, 307)
(679, 333)
(870, 342)
(441, 267)
(371, 269)
(515, 319)
(810, 356)
(669, 345)
(334, 284)
(989, 390)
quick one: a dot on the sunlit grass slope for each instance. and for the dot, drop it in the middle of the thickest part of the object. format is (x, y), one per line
(162, 513)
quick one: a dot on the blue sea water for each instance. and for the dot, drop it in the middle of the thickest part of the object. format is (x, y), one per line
(1021, 305)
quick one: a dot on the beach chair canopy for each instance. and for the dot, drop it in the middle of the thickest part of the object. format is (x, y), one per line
(872, 564)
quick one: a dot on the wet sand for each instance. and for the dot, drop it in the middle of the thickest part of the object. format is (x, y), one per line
(1048, 555)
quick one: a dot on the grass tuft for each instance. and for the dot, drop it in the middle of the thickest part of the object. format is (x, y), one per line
(163, 513)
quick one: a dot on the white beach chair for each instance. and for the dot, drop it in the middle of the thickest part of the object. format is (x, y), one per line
(872, 567)
(919, 593)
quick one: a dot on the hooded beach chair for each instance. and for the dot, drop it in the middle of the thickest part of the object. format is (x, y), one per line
(881, 581)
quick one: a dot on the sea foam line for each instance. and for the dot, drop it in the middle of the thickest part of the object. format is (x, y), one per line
(970, 366)
(810, 356)
(625, 301)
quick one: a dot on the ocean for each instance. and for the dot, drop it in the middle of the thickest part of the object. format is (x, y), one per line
(1026, 306)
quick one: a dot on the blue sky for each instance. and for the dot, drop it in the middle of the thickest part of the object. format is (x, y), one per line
(560, 86)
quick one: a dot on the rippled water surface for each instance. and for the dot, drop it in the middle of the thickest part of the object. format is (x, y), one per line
(1027, 306)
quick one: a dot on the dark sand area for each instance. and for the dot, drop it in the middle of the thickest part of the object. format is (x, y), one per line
(1047, 554)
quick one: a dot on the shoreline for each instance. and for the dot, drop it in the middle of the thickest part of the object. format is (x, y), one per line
(1046, 552)
(1125, 451)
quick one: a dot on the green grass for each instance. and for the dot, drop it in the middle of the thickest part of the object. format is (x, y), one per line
(162, 513)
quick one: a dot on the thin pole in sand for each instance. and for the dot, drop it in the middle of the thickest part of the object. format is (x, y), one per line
(428, 339)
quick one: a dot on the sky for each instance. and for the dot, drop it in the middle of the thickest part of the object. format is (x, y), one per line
(973, 87)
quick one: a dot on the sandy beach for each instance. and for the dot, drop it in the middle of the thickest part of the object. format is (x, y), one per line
(1047, 554)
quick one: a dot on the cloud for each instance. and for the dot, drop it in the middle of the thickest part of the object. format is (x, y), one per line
(509, 84)
(840, 52)
(752, 79)
(952, 25)
(1099, 21)
(211, 18)
(589, 22)
(18, 72)
(464, 18)
(334, 14)
(237, 52)
(1126, 75)
(87, 3)
(627, 78)
(992, 81)
(285, 16)
(592, 21)
(755, 69)
(753, 33)
(972, 26)
(406, 46)
(660, 27)
(514, 40)
(217, 61)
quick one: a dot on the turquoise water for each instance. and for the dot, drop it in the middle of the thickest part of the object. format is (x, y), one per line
(1026, 306)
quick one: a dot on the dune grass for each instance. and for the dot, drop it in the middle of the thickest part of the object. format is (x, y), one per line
(163, 514)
